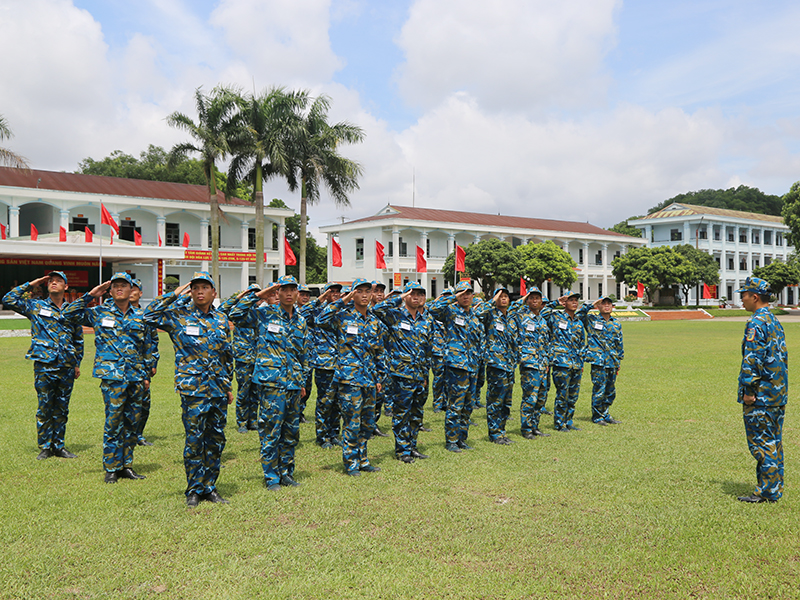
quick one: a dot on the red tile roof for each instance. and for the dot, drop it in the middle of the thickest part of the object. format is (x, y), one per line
(112, 186)
(682, 210)
(482, 219)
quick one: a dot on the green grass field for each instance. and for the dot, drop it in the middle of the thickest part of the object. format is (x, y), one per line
(646, 509)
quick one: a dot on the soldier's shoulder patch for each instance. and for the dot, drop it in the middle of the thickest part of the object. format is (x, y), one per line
(751, 334)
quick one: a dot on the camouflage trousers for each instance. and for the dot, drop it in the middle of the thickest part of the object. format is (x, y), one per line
(534, 395)
(409, 400)
(460, 387)
(204, 421)
(388, 394)
(604, 381)
(123, 401)
(439, 383)
(380, 397)
(481, 379)
(309, 382)
(143, 414)
(327, 414)
(499, 389)
(278, 431)
(358, 423)
(53, 389)
(764, 428)
(568, 386)
(246, 396)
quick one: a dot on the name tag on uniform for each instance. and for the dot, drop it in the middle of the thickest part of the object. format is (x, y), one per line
(404, 325)
(500, 327)
(598, 326)
(530, 327)
(352, 329)
(562, 325)
(460, 321)
(107, 322)
(273, 328)
(193, 330)
(46, 312)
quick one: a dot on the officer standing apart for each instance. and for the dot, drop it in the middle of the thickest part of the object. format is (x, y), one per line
(122, 351)
(151, 366)
(604, 351)
(203, 373)
(763, 390)
(280, 372)
(57, 351)
(409, 352)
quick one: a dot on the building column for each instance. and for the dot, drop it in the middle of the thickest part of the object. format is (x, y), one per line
(648, 234)
(451, 243)
(161, 230)
(585, 270)
(282, 249)
(244, 280)
(204, 241)
(245, 236)
(423, 243)
(395, 250)
(605, 270)
(13, 221)
(64, 222)
(687, 232)
(477, 237)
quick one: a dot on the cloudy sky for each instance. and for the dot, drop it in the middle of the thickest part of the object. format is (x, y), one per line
(587, 110)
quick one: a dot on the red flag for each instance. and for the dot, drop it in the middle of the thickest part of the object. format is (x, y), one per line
(713, 291)
(185, 239)
(34, 233)
(523, 289)
(89, 235)
(2, 231)
(62, 234)
(137, 238)
(336, 253)
(106, 218)
(422, 264)
(159, 240)
(460, 256)
(290, 258)
(380, 261)
(639, 289)
(112, 238)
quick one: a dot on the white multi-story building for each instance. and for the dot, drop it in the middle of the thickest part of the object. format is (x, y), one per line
(739, 241)
(155, 210)
(400, 229)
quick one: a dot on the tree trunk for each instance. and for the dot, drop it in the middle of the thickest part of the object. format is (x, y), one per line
(213, 203)
(303, 225)
(259, 225)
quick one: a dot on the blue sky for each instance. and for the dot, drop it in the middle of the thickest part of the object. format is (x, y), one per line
(584, 110)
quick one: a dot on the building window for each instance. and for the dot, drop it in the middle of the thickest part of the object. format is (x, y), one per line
(767, 260)
(80, 223)
(172, 232)
(617, 254)
(778, 238)
(717, 233)
(428, 249)
(730, 263)
(580, 290)
(599, 290)
(390, 252)
(219, 235)
(768, 238)
(675, 235)
(756, 263)
(359, 248)
(716, 258)
(618, 291)
(126, 229)
(598, 259)
(702, 233)
(251, 238)
(580, 256)
(403, 248)
(756, 237)
(730, 234)
(743, 264)
(743, 236)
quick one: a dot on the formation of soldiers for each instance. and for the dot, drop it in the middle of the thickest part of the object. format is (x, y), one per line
(368, 353)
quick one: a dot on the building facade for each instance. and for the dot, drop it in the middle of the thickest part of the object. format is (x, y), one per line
(400, 229)
(161, 213)
(738, 241)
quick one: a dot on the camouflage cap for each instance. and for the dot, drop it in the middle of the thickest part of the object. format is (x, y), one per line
(413, 285)
(303, 288)
(138, 284)
(58, 274)
(755, 285)
(122, 275)
(377, 283)
(203, 276)
(572, 294)
(358, 282)
(286, 280)
(534, 290)
(462, 286)
(331, 285)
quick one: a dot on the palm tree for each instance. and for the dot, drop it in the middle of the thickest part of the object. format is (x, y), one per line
(315, 160)
(261, 152)
(218, 124)
(7, 157)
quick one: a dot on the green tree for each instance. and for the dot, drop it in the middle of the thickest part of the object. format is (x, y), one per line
(492, 261)
(625, 229)
(742, 198)
(317, 265)
(547, 261)
(315, 160)
(7, 157)
(791, 213)
(779, 274)
(702, 268)
(262, 150)
(654, 268)
(218, 124)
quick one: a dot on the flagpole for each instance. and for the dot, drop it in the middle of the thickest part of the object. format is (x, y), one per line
(100, 231)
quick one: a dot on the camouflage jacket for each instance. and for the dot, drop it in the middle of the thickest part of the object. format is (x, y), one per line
(244, 338)
(410, 339)
(464, 333)
(765, 362)
(152, 356)
(121, 340)
(322, 341)
(280, 342)
(202, 341)
(359, 343)
(603, 341)
(501, 337)
(566, 349)
(533, 337)
(55, 342)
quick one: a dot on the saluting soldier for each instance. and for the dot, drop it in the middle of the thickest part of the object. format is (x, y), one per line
(303, 298)
(382, 398)
(604, 351)
(122, 356)
(56, 351)
(763, 390)
(280, 372)
(203, 375)
(438, 351)
(151, 365)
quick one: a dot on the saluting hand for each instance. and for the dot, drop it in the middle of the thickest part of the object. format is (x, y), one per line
(98, 291)
(264, 294)
(562, 300)
(41, 280)
(184, 289)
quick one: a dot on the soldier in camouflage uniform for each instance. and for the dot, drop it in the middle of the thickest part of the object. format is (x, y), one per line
(303, 298)
(501, 361)
(356, 375)
(203, 374)
(763, 390)
(57, 351)
(151, 366)
(464, 338)
(244, 352)
(566, 328)
(122, 353)
(381, 397)
(280, 371)
(604, 351)
(409, 351)
(533, 340)
(438, 351)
